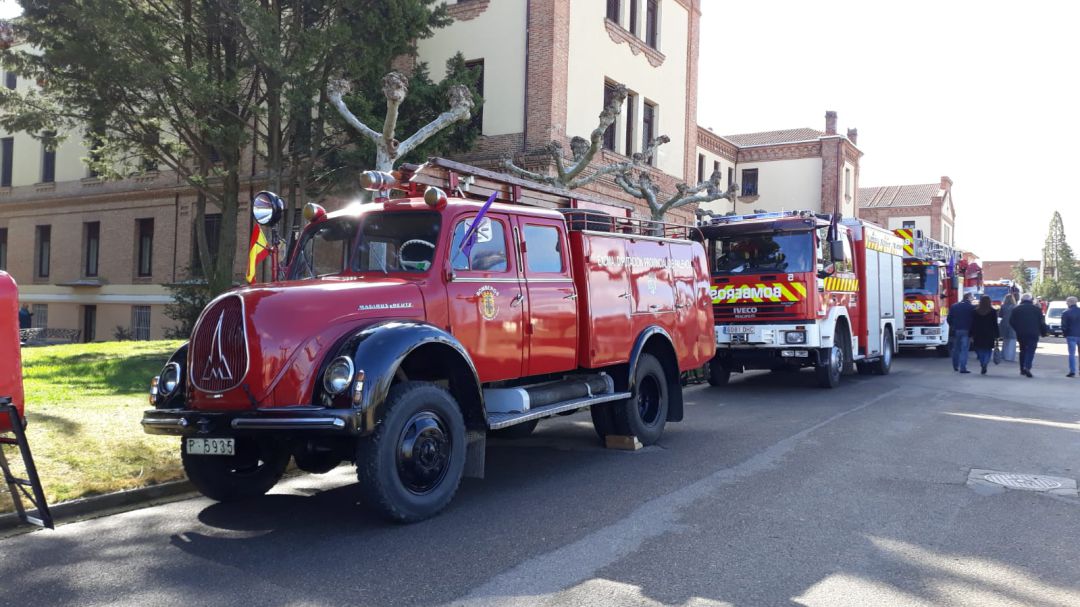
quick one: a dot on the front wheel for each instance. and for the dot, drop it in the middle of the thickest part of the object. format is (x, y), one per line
(410, 467)
(645, 413)
(719, 375)
(255, 468)
(830, 366)
(883, 365)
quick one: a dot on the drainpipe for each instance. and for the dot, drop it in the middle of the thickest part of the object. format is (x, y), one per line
(525, 95)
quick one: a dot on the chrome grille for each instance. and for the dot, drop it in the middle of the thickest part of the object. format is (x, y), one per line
(219, 356)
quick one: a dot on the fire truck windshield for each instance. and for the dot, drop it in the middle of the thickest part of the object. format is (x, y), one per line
(787, 252)
(921, 280)
(997, 293)
(388, 242)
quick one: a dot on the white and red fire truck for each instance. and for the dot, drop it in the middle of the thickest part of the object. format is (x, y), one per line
(798, 289)
(931, 285)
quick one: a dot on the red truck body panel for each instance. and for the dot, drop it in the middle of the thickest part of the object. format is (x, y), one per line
(10, 356)
(523, 319)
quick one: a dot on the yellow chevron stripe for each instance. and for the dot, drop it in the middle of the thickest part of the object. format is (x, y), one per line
(800, 287)
(785, 293)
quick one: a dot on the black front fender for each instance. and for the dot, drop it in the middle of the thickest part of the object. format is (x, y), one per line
(380, 351)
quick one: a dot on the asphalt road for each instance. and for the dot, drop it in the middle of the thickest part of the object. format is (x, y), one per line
(771, 492)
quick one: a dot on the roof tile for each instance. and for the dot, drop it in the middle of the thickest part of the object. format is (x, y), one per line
(898, 195)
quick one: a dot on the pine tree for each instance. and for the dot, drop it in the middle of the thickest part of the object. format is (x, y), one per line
(1060, 276)
(1021, 276)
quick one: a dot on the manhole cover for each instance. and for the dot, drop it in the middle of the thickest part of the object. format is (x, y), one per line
(1027, 482)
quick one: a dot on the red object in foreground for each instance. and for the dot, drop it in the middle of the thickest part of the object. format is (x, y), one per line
(10, 356)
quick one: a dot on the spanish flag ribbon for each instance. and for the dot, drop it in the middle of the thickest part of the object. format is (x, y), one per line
(257, 251)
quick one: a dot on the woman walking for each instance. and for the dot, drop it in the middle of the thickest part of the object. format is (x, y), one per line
(1008, 334)
(984, 331)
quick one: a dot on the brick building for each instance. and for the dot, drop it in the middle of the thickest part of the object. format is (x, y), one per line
(926, 207)
(1002, 270)
(790, 169)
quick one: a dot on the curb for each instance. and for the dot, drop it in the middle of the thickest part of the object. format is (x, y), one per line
(110, 503)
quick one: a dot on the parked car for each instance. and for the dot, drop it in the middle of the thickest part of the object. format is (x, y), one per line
(1053, 316)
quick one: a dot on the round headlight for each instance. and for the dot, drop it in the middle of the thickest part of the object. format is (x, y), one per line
(338, 375)
(170, 379)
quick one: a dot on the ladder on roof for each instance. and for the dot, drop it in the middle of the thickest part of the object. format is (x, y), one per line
(23, 488)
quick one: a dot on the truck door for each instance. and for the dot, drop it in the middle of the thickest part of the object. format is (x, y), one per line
(551, 327)
(487, 300)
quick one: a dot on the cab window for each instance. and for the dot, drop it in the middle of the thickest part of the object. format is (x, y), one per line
(488, 248)
(397, 242)
(543, 249)
(825, 254)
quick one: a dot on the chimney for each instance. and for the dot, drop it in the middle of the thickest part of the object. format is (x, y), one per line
(946, 183)
(830, 122)
(853, 136)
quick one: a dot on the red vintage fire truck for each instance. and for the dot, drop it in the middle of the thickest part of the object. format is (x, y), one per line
(931, 285)
(403, 331)
(797, 289)
(12, 413)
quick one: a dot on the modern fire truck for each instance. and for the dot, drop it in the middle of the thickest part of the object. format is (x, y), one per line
(997, 290)
(797, 289)
(931, 285)
(402, 331)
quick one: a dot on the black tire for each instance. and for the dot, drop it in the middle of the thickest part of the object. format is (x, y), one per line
(830, 366)
(844, 336)
(883, 365)
(603, 420)
(315, 462)
(410, 467)
(517, 431)
(719, 375)
(254, 470)
(644, 414)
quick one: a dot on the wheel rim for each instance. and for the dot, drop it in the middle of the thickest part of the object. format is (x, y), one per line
(836, 361)
(648, 399)
(887, 355)
(423, 454)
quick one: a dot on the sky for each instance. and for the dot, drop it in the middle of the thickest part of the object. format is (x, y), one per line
(984, 92)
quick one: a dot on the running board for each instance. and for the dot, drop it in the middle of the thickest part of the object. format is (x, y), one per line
(497, 421)
(20, 488)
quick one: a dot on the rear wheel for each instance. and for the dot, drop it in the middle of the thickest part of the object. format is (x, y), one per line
(254, 470)
(411, 466)
(645, 413)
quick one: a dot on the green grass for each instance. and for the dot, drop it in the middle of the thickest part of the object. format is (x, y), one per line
(83, 405)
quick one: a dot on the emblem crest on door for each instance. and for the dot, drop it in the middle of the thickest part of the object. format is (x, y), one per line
(489, 307)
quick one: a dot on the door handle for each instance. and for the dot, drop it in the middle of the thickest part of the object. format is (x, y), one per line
(681, 306)
(653, 307)
(571, 296)
(517, 299)
(624, 295)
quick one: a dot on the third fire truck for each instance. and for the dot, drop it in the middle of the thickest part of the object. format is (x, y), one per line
(931, 285)
(796, 289)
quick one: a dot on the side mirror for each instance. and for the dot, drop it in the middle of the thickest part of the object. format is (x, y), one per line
(836, 251)
(267, 208)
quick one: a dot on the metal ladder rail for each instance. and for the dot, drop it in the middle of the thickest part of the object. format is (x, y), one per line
(28, 488)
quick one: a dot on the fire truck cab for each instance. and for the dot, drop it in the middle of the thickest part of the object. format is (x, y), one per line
(931, 285)
(796, 289)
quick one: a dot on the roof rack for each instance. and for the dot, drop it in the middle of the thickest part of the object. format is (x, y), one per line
(727, 219)
(923, 247)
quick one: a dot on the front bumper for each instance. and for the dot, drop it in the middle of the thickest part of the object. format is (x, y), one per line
(923, 337)
(186, 422)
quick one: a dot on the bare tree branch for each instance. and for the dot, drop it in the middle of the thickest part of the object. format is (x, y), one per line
(607, 118)
(637, 161)
(395, 87)
(335, 89)
(461, 104)
(509, 165)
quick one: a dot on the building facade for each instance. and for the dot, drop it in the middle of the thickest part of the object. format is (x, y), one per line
(792, 169)
(1003, 270)
(925, 207)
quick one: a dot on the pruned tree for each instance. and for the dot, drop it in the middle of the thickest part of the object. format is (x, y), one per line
(1021, 276)
(395, 88)
(631, 175)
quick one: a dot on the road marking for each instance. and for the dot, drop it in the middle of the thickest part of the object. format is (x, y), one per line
(534, 580)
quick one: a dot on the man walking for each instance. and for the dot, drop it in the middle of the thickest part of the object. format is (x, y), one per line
(1028, 322)
(961, 318)
(25, 317)
(1070, 328)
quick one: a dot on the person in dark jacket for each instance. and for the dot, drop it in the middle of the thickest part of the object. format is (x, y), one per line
(1028, 322)
(25, 317)
(984, 331)
(961, 318)
(1070, 328)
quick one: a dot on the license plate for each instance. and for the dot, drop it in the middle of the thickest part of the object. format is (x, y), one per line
(738, 330)
(211, 446)
(794, 353)
(740, 339)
